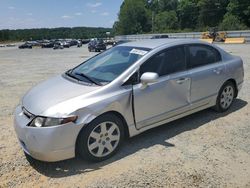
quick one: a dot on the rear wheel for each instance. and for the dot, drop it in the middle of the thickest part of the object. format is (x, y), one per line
(225, 97)
(101, 138)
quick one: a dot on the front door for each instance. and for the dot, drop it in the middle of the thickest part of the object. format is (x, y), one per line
(169, 94)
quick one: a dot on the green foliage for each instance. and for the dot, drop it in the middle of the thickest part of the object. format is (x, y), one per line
(55, 33)
(142, 16)
(231, 22)
(162, 5)
(168, 5)
(166, 20)
(188, 12)
(241, 9)
(133, 18)
(211, 12)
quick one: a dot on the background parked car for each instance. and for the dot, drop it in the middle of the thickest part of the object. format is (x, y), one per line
(25, 45)
(96, 45)
(58, 45)
(110, 42)
(85, 41)
(65, 44)
(10, 45)
(73, 42)
(79, 43)
(48, 45)
(160, 37)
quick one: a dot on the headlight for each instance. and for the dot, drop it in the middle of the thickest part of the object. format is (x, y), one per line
(48, 122)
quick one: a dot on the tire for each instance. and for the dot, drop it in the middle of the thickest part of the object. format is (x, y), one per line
(101, 138)
(225, 97)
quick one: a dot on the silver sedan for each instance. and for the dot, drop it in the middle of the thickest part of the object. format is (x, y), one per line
(128, 89)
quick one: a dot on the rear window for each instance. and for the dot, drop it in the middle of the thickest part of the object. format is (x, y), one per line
(200, 55)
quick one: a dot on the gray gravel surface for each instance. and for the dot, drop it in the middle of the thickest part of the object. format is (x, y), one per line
(205, 149)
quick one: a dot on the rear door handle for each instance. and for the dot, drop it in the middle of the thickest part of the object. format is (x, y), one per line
(182, 80)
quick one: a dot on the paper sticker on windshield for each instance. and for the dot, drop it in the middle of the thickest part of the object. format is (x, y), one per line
(138, 52)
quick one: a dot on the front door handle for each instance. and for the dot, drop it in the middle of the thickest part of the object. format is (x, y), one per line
(182, 80)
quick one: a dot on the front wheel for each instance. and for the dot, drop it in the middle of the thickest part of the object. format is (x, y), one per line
(101, 138)
(225, 97)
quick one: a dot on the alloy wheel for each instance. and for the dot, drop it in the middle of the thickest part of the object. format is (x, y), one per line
(103, 139)
(226, 97)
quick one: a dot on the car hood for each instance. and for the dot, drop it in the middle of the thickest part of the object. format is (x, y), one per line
(52, 92)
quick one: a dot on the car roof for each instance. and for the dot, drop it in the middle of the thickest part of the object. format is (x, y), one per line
(154, 43)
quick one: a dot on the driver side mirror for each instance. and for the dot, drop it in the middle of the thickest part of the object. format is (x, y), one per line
(149, 77)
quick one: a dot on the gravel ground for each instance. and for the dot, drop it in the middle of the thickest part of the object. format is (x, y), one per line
(205, 149)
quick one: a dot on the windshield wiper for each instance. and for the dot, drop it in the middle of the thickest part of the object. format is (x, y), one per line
(88, 78)
(69, 73)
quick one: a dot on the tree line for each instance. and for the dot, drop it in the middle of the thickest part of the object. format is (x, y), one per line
(153, 16)
(54, 33)
(159, 16)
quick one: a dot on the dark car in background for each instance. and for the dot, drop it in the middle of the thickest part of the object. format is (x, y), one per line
(160, 37)
(85, 41)
(26, 45)
(47, 44)
(96, 45)
(73, 42)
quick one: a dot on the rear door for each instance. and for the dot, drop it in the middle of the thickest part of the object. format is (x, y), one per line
(169, 94)
(207, 73)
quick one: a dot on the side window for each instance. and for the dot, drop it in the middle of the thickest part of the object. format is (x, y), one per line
(153, 64)
(174, 61)
(200, 55)
(134, 79)
(169, 61)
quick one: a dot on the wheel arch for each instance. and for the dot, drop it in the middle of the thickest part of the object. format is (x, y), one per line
(117, 114)
(120, 116)
(233, 81)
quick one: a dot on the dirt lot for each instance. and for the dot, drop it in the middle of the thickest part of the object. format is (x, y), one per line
(205, 149)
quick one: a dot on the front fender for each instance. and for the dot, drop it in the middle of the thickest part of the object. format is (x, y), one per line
(120, 103)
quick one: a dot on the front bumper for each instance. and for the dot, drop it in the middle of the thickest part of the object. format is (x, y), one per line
(47, 143)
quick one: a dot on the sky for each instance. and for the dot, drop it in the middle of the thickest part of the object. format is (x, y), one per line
(22, 14)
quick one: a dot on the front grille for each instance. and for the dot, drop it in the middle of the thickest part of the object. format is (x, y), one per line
(27, 113)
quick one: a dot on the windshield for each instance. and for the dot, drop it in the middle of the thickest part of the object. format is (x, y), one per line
(107, 66)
